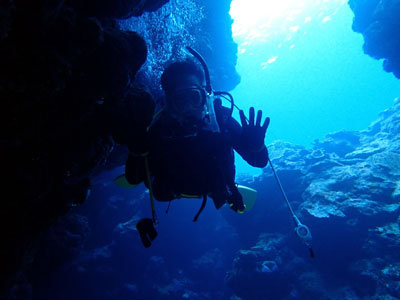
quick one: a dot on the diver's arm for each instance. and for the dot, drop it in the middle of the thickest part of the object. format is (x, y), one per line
(247, 140)
(255, 157)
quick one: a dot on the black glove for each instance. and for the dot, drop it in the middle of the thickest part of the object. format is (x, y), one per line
(253, 135)
(235, 200)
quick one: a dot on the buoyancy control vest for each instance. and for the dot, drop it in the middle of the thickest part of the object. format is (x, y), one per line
(190, 161)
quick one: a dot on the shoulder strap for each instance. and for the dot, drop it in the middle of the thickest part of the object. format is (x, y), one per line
(203, 204)
(156, 117)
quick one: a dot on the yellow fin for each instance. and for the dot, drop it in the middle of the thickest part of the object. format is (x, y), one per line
(121, 181)
(249, 196)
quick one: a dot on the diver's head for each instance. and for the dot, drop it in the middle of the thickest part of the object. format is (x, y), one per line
(183, 84)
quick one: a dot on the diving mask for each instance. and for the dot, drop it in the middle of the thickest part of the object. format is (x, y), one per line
(193, 104)
(188, 100)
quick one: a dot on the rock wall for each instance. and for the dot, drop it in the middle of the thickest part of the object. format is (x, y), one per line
(203, 25)
(63, 63)
(72, 105)
(378, 22)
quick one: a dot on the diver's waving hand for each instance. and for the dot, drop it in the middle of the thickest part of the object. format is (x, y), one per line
(253, 134)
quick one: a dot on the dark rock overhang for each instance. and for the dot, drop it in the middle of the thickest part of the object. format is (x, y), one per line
(378, 21)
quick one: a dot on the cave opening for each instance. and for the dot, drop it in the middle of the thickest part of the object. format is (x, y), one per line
(303, 65)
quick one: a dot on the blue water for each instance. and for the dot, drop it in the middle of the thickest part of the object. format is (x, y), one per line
(308, 73)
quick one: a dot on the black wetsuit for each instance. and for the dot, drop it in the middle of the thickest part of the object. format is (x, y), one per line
(185, 164)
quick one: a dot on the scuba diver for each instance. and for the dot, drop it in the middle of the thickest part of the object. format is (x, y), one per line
(188, 150)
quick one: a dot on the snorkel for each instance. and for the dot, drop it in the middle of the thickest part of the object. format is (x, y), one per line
(205, 68)
(302, 231)
(208, 87)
